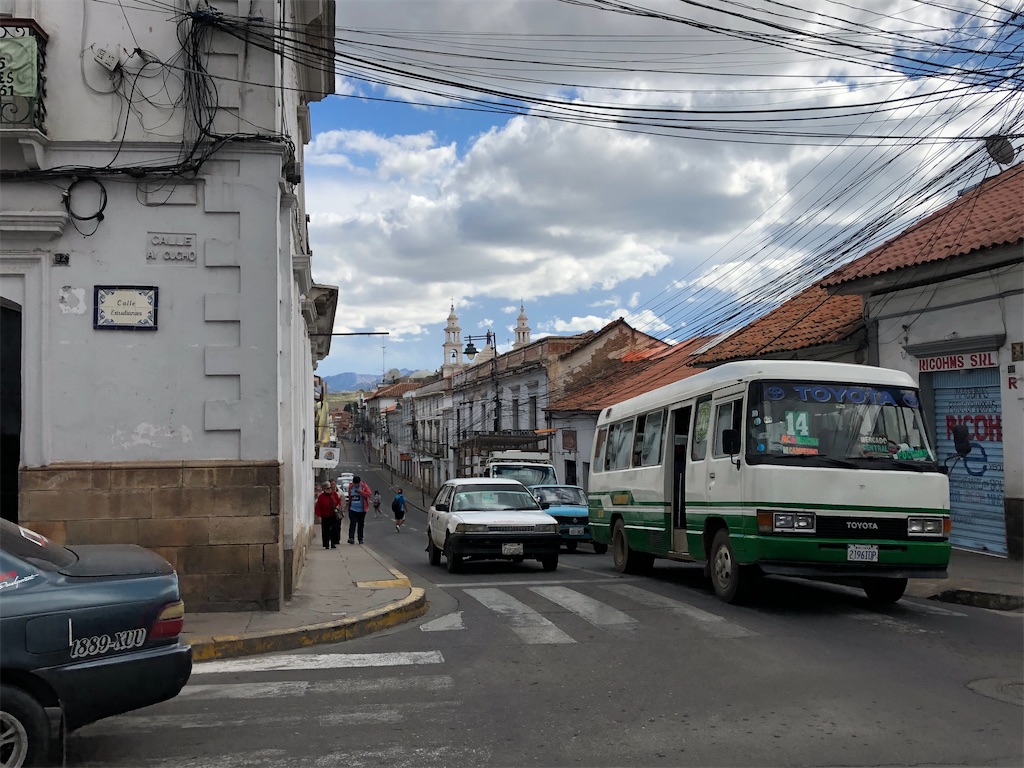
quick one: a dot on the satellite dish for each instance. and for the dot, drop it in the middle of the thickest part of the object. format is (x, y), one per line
(394, 374)
(1000, 149)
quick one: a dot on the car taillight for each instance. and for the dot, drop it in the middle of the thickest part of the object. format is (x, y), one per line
(169, 621)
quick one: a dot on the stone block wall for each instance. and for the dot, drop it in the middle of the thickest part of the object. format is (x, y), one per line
(217, 522)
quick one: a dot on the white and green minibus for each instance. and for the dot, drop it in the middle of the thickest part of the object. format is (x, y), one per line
(795, 468)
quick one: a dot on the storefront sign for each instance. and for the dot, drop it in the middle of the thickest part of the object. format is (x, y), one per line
(957, 362)
(125, 308)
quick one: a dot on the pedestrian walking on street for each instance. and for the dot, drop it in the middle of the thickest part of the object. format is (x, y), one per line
(358, 503)
(398, 507)
(376, 503)
(325, 512)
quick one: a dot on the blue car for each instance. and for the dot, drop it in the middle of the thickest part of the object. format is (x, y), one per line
(86, 632)
(568, 505)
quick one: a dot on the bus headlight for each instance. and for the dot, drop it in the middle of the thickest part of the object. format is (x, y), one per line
(925, 526)
(804, 521)
(785, 522)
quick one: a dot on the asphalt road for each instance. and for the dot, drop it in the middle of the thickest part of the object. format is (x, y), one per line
(583, 667)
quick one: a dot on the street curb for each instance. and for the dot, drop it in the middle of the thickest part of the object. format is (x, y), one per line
(368, 622)
(991, 600)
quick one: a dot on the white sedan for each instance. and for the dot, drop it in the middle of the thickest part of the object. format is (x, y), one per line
(486, 518)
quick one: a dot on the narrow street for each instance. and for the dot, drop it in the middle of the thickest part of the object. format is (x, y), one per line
(512, 666)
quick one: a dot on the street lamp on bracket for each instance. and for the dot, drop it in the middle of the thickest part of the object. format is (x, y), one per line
(471, 351)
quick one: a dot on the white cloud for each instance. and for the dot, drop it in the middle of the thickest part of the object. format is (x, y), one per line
(591, 224)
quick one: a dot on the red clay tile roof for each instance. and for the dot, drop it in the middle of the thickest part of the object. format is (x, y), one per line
(987, 216)
(394, 390)
(631, 378)
(810, 318)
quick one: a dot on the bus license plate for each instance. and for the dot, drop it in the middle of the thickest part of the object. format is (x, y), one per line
(575, 530)
(512, 549)
(862, 553)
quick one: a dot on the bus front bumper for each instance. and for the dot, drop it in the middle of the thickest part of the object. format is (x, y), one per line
(793, 556)
(848, 570)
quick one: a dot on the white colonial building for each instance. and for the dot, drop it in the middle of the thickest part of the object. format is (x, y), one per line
(160, 319)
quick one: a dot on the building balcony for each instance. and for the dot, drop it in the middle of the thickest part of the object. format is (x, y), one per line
(22, 93)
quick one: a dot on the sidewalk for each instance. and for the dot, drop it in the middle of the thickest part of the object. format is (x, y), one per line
(975, 579)
(341, 594)
(350, 592)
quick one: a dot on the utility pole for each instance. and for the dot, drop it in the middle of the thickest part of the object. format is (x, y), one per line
(497, 395)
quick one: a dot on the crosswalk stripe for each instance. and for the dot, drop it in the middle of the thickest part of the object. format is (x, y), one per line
(929, 608)
(285, 688)
(318, 661)
(401, 756)
(533, 628)
(712, 623)
(592, 610)
(447, 623)
(333, 717)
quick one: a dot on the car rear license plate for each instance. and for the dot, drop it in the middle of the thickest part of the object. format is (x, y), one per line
(575, 530)
(512, 549)
(862, 553)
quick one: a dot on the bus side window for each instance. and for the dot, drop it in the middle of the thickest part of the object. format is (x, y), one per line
(699, 447)
(728, 416)
(647, 444)
(599, 443)
(617, 451)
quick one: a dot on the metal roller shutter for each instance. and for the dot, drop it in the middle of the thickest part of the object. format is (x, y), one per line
(972, 398)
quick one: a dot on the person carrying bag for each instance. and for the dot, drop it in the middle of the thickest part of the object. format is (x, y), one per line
(358, 503)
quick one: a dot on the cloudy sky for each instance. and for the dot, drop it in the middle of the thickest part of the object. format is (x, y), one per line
(685, 168)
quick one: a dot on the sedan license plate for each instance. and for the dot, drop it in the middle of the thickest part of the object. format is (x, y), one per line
(576, 530)
(862, 553)
(512, 549)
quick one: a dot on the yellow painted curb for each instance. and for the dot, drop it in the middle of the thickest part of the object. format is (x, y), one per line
(349, 628)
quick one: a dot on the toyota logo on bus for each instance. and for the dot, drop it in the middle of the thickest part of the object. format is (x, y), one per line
(865, 525)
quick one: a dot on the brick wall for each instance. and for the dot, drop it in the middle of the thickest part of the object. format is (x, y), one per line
(217, 522)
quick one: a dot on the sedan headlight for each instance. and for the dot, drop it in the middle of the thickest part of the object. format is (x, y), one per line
(471, 528)
(546, 528)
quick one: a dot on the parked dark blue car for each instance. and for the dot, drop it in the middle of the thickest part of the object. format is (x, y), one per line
(568, 505)
(86, 632)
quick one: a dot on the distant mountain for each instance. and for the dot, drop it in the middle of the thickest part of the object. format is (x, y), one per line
(353, 382)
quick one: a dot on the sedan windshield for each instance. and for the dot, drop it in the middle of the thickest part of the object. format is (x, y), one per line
(561, 496)
(485, 500)
(830, 424)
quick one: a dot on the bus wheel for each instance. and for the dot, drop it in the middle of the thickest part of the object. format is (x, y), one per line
(628, 560)
(881, 590)
(730, 580)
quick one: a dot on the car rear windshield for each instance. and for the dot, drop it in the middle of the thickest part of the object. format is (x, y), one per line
(33, 547)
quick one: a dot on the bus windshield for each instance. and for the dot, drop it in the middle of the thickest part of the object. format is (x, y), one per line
(832, 424)
(527, 474)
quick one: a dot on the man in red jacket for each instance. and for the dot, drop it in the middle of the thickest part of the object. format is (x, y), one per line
(330, 524)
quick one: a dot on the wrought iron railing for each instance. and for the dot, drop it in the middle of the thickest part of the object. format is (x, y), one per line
(22, 74)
